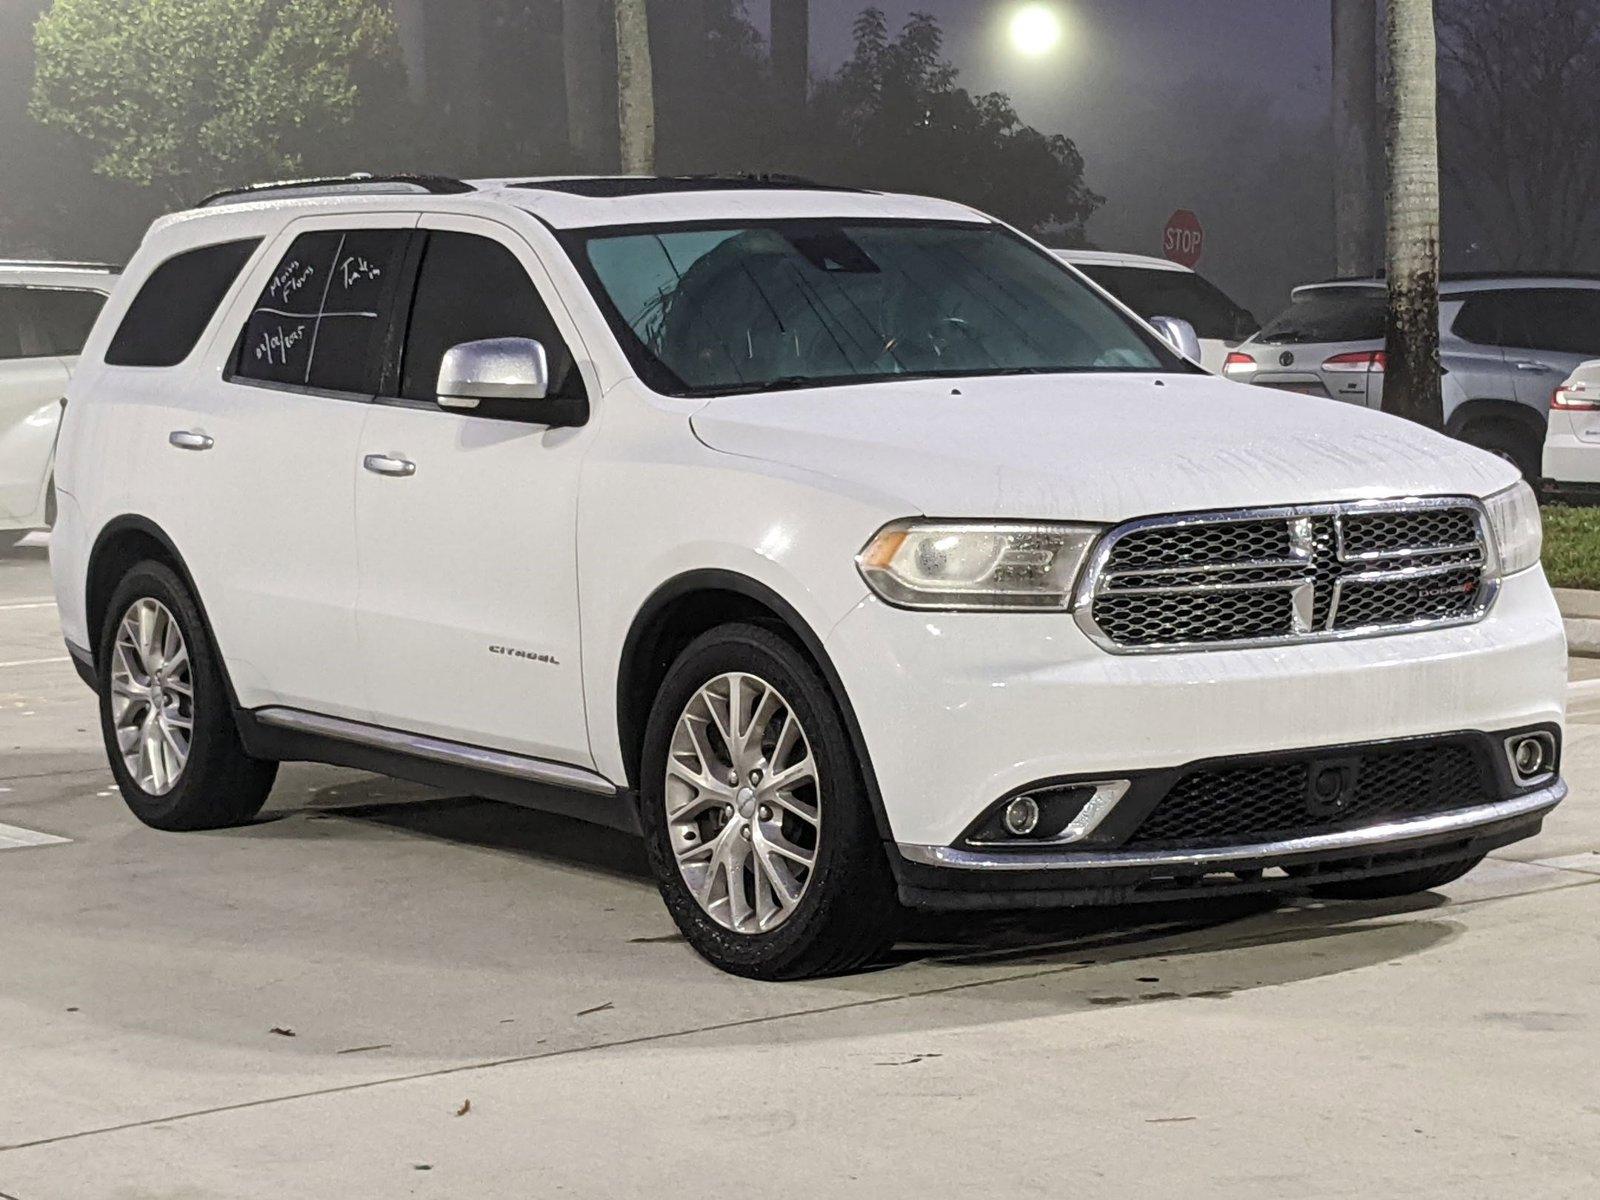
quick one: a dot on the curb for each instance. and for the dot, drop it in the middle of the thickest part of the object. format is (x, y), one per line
(1580, 613)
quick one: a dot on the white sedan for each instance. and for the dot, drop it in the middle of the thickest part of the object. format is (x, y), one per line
(1572, 439)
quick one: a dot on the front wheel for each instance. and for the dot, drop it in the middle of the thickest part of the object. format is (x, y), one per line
(164, 711)
(756, 816)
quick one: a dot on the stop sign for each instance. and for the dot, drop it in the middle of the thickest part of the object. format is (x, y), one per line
(1184, 240)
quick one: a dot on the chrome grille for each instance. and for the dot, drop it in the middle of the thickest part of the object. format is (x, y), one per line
(1261, 577)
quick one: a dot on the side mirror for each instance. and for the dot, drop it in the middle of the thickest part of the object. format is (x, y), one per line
(1178, 334)
(493, 369)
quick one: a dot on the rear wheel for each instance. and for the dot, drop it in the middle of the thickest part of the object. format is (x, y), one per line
(1516, 445)
(164, 711)
(1405, 883)
(756, 817)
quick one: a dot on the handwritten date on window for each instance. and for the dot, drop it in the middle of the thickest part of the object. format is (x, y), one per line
(274, 345)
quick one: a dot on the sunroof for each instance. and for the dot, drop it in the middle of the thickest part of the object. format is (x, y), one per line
(619, 187)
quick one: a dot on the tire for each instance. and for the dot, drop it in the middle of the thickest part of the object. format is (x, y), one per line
(217, 785)
(846, 912)
(1405, 883)
(1512, 443)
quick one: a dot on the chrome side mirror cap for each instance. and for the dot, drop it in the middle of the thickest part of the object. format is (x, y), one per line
(493, 369)
(1178, 334)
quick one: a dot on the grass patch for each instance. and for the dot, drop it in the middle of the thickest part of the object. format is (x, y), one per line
(1572, 546)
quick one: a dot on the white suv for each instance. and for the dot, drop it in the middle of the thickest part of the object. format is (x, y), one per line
(46, 312)
(849, 546)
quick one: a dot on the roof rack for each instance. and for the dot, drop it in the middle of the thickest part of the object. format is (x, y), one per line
(59, 264)
(613, 187)
(341, 185)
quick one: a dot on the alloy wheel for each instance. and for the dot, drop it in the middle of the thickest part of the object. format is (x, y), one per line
(152, 696)
(743, 803)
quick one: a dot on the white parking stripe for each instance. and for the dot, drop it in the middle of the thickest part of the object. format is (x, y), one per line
(21, 604)
(12, 838)
(34, 662)
(1583, 687)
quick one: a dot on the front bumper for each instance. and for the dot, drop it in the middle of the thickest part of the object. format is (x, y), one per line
(957, 710)
(951, 877)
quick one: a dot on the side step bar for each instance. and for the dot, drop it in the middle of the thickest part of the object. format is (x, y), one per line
(292, 735)
(455, 754)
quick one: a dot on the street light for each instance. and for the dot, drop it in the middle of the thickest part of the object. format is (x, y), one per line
(1036, 30)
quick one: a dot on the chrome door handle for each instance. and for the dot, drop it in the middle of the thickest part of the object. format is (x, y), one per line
(389, 464)
(185, 439)
(1529, 365)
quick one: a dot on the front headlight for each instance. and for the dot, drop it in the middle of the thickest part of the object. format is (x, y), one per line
(1518, 531)
(975, 565)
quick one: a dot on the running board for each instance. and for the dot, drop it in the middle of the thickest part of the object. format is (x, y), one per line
(293, 735)
(438, 750)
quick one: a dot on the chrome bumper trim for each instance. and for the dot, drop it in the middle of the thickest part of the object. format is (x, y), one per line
(1346, 839)
(456, 754)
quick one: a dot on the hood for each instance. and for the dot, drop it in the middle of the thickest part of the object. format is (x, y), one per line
(1095, 448)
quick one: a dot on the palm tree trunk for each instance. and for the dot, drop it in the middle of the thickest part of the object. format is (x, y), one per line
(585, 57)
(791, 53)
(636, 105)
(1355, 136)
(1412, 386)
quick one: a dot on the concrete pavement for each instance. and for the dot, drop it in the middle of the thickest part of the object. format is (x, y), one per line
(383, 991)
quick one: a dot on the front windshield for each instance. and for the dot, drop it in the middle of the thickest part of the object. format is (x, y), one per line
(714, 311)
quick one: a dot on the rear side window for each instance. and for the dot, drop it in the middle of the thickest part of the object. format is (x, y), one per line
(62, 318)
(1561, 320)
(470, 288)
(320, 321)
(1328, 315)
(176, 304)
(1182, 294)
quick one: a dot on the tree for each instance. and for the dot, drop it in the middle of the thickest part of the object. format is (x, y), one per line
(1520, 124)
(894, 118)
(791, 52)
(1355, 132)
(636, 105)
(1412, 382)
(585, 56)
(185, 95)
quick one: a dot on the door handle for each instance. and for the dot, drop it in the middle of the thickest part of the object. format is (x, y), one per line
(1527, 364)
(390, 464)
(186, 439)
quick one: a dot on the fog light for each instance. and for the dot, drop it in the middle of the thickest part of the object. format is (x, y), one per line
(1532, 756)
(1022, 816)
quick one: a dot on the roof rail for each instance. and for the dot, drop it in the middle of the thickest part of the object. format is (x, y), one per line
(341, 185)
(59, 264)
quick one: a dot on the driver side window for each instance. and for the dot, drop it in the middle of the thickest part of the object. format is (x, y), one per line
(471, 288)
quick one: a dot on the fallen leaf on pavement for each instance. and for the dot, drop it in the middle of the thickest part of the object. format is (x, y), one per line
(466, 1107)
(281, 1031)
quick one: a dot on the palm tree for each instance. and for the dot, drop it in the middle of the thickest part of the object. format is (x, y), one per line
(636, 105)
(1355, 135)
(1412, 384)
(791, 52)
(585, 57)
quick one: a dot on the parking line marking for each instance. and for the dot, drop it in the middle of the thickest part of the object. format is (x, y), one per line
(13, 838)
(35, 662)
(1583, 687)
(18, 605)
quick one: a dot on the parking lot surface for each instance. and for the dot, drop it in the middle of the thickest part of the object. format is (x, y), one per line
(379, 991)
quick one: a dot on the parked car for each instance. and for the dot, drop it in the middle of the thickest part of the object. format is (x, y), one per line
(46, 312)
(844, 544)
(1505, 341)
(1572, 442)
(1157, 287)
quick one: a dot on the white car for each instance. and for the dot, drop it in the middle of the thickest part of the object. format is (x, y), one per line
(847, 545)
(1158, 287)
(46, 312)
(1572, 441)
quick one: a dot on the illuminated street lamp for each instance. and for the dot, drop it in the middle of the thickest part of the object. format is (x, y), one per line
(1036, 30)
